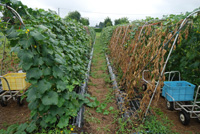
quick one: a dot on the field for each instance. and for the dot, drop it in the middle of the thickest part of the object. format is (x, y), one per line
(72, 89)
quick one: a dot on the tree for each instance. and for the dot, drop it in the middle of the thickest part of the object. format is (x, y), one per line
(85, 21)
(74, 15)
(107, 22)
(123, 20)
(101, 24)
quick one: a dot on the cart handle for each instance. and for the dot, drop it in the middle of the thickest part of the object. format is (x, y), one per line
(144, 78)
(173, 72)
(7, 84)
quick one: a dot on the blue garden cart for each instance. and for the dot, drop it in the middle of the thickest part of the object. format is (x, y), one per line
(180, 96)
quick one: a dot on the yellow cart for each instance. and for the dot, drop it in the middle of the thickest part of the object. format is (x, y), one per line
(13, 86)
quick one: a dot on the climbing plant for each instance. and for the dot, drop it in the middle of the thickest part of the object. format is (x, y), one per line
(144, 45)
(54, 54)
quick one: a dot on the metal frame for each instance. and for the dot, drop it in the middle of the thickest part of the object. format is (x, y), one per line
(162, 72)
(9, 94)
(193, 110)
(14, 12)
(174, 73)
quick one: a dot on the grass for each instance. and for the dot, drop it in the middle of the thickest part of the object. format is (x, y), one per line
(98, 34)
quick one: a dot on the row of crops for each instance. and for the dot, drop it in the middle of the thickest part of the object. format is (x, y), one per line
(54, 53)
(144, 45)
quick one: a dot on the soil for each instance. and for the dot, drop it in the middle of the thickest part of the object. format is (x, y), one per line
(98, 123)
(192, 128)
(13, 113)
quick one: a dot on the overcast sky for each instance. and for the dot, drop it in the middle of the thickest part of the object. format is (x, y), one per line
(98, 10)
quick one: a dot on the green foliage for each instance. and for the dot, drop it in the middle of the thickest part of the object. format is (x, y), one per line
(153, 125)
(74, 15)
(123, 20)
(92, 34)
(106, 35)
(107, 22)
(85, 21)
(101, 24)
(186, 57)
(98, 29)
(55, 54)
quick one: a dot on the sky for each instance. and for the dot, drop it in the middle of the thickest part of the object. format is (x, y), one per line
(98, 10)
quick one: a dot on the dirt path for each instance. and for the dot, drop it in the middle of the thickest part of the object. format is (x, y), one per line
(192, 128)
(104, 120)
(13, 113)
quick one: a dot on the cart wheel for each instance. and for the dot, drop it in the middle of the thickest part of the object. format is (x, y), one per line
(144, 87)
(3, 103)
(170, 106)
(19, 101)
(184, 117)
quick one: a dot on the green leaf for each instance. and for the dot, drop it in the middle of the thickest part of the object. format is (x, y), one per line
(35, 73)
(47, 71)
(43, 124)
(50, 119)
(37, 35)
(60, 59)
(99, 110)
(42, 27)
(26, 65)
(55, 42)
(26, 43)
(61, 85)
(31, 94)
(103, 105)
(22, 127)
(55, 110)
(106, 112)
(33, 105)
(57, 72)
(64, 120)
(43, 86)
(38, 61)
(51, 98)
(11, 129)
(75, 102)
(13, 34)
(25, 55)
(111, 108)
(32, 126)
(70, 87)
(61, 102)
(2, 131)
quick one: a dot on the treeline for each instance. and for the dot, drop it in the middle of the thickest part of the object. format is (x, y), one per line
(108, 22)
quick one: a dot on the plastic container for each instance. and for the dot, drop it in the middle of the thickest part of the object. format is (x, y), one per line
(16, 81)
(179, 90)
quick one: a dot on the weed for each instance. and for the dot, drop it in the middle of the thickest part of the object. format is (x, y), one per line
(92, 84)
(5, 124)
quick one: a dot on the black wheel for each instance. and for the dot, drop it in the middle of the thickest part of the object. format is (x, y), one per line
(3, 103)
(170, 106)
(144, 87)
(19, 101)
(184, 117)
